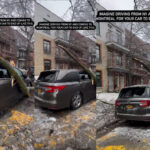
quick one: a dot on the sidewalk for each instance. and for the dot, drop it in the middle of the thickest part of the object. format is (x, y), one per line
(105, 110)
(109, 98)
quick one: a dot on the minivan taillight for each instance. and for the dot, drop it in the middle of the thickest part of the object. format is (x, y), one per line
(117, 103)
(52, 89)
(144, 103)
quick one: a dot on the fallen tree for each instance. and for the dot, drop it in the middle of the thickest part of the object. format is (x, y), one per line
(15, 76)
(81, 64)
(146, 65)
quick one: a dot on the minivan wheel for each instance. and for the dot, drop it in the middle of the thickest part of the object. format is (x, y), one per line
(76, 101)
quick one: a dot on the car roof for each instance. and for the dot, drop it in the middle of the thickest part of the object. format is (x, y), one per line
(140, 85)
(67, 70)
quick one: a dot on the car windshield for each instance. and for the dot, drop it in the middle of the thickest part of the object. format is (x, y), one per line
(49, 76)
(4, 73)
(135, 92)
(18, 72)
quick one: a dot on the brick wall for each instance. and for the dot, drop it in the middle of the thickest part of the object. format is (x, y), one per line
(103, 66)
(39, 55)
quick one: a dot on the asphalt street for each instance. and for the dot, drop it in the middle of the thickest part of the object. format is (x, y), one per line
(26, 127)
(127, 136)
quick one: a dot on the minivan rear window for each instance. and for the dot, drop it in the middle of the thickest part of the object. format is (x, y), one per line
(49, 76)
(136, 92)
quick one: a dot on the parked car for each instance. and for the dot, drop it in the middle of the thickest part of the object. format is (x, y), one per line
(9, 94)
(57, 89)
(24, 76)
(133, 103)
(31, 72)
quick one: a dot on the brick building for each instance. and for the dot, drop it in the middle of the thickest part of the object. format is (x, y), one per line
(141, 50)
(116, 61)
(7, 44)
(88, 49)
(111, 54)
(24, 51)
(47, 55)
(115, 66)
(13, 46)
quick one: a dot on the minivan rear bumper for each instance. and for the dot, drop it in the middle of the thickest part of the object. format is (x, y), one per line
(47, 104)
(145, 117)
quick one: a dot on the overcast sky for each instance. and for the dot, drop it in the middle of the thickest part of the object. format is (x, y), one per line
(117, 4)
(59, 7)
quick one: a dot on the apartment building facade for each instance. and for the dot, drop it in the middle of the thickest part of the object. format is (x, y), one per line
(47, 54)
(115, 53)
(111, 53)
(140, 50)
(24, 51)
(13, 48)
(7, 44)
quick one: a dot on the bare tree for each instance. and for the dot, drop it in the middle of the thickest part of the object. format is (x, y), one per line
(139, 30)
(81, 11)
(20, 9)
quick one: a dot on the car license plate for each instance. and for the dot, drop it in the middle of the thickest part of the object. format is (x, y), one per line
(39, 91)
(129, 106)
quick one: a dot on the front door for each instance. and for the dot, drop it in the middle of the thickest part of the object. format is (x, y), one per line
(110, 78)
(116, 82)
(122, 82)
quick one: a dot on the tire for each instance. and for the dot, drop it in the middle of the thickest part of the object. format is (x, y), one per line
(76, 101)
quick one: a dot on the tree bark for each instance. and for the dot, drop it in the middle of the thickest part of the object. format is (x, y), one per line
(81, 64)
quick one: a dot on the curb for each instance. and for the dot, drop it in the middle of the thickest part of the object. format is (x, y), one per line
(106, 102)
(108, 127)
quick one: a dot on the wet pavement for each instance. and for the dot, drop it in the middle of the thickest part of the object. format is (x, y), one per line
(135, 136)
(105, 114)
(26, 127)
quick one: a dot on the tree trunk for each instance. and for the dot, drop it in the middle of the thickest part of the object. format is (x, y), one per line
(79, 62)
(13, 74)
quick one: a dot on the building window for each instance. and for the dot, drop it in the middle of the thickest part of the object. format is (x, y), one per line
(57, 66)
(98, 54)
(110, 58)
(99, 78)
(119, 60)
(65, 35)
(10, 49)
(93, 60)
(22, 54)
(97, 28)
(47, 64)
(142, 67)
(119, 37)
(58, 52)
(46, 47)
(142, 81)
(90, 59)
